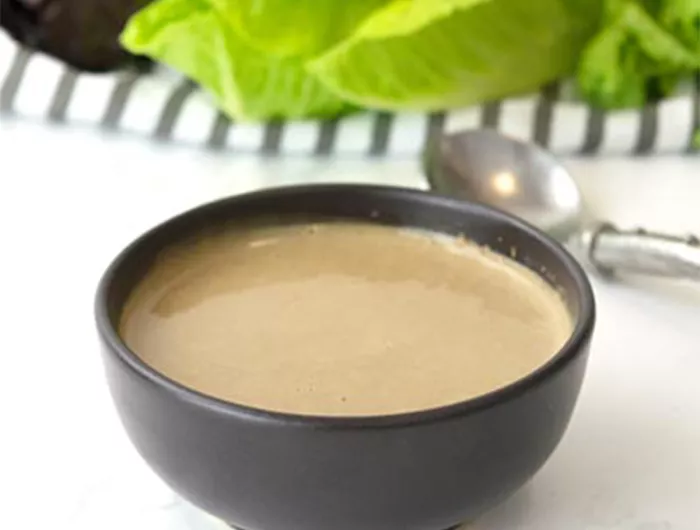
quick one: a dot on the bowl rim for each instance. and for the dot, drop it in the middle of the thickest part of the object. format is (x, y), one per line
(574, 346)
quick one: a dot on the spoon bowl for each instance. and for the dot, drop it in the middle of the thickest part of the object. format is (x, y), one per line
(511, 175)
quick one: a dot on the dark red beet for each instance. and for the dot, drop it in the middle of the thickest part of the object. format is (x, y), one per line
(82, 33)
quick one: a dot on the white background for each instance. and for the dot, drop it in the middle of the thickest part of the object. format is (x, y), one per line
(71, 198)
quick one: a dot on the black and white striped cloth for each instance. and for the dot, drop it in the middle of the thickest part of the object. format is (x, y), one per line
(168, 108)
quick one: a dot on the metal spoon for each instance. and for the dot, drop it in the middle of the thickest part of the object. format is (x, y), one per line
(527, 181)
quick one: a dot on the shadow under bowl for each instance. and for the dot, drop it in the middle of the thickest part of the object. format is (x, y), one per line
(425, 470)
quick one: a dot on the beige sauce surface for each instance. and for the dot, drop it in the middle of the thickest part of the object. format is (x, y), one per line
(341, 319)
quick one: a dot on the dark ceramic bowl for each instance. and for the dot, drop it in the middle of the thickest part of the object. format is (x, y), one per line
(427, 470)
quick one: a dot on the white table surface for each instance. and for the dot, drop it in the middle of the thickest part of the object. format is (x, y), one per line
(69, 199)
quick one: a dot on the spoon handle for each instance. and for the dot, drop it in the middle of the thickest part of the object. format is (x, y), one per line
(610, 250)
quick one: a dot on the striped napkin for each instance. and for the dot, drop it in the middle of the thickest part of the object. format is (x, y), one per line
(164, 106)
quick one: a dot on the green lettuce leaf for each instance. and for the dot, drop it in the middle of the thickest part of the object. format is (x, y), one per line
(634, 57)
(428, 54)
(682, 19)
(198, 40)
(296, 27)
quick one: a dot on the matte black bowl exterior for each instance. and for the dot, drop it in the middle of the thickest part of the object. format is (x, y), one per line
(426, 470)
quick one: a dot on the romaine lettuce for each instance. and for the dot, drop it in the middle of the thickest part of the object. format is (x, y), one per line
(428, 54)
(199, 41)
(641, 49)
(296, 58)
